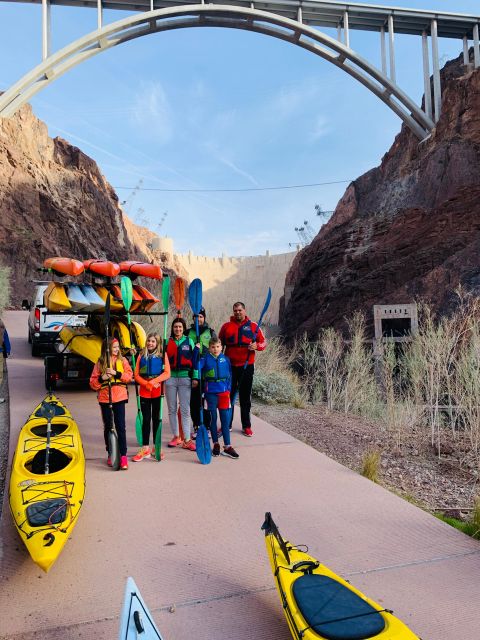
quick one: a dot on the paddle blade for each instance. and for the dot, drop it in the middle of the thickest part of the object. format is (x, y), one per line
(113, 449)
(126, 288)
(158, 439)
(266, 305)
(204, 453)
(138, 427)
(179, 293)
(165, 292)
(195, 295)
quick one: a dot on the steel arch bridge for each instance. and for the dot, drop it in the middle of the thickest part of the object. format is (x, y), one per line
(296, 21)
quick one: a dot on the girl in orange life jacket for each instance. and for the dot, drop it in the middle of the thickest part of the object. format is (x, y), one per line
(183, 357)
(112, 371)
(150, 371)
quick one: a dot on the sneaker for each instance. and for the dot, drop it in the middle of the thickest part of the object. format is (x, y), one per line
(109, 461)
(216, 449)
(176, 441)
(142, 453)
(247, 432)
(230, 453)
(123, 462)
(189, 444)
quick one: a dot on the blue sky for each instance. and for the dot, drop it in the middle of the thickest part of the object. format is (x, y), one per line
(217, 109)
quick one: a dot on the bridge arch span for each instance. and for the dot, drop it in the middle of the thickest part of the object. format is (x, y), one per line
(201, 15)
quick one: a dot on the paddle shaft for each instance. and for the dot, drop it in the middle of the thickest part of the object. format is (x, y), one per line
(47, 448)
(260, 320)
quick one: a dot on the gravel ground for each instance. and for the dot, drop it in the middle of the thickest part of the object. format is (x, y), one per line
(413, 472)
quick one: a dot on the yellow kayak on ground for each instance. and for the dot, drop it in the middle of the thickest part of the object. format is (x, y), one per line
(55, 297)
(318, 604)
(83, 341)
(45, 505)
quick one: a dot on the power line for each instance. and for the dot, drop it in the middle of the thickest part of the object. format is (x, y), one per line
(291, 186)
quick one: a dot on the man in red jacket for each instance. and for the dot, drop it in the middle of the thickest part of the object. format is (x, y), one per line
(241, 338)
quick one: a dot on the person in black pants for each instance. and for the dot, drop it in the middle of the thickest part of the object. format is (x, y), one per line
(242, 338)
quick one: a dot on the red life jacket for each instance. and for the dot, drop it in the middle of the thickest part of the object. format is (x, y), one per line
(180, 356)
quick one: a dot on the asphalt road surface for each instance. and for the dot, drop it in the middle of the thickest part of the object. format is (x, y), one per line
(190, 537)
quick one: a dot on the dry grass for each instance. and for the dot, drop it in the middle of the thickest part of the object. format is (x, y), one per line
(371, 464)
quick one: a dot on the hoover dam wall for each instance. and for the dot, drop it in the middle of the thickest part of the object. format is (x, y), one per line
(227, 279)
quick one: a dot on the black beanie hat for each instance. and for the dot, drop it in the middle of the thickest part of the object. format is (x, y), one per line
(203, 313)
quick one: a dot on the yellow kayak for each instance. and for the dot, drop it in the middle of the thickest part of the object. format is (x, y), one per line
(47, 483)
(318, 604)
(83, 341)
(55, 297)
(139, 336)
(120, 330)
(115, 305)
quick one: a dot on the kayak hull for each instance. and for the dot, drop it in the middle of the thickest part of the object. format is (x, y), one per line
(136, 620)
(141, 269)
(102, 267)
(76, 298)
(147, 299)
(55, 297)
(64, 266)
(317, 602)
(95, 302)
(45, 508)
(83, 341)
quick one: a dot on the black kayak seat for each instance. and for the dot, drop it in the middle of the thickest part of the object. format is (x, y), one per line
(59, 411)
(334, 611)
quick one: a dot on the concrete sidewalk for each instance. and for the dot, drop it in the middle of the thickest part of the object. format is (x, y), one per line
(190, 537)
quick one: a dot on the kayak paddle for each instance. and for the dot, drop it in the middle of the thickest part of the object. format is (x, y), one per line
(47, 410)
(204, 453)
(165, 300)
(127, 299)
(113, 449)
(179, 299)
(179, 295)
(260, 320)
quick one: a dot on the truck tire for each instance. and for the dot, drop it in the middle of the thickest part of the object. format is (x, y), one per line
(36, 352)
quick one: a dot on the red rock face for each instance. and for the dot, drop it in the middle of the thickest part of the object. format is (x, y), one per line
(53, 201)
(405, 230)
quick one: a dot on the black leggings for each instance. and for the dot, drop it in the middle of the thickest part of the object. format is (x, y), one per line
(150, 412)
(242, 381)
(118, 410)
(195, 409)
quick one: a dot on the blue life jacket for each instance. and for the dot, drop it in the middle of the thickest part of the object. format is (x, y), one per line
(151, 366)
(216, 373)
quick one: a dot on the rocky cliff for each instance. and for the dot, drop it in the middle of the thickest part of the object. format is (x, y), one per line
(406, 230)
(54, 201)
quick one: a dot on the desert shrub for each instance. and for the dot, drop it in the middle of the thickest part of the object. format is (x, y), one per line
(360, 394)
(274, 386)
(331, 365)
(371, 464)
(4, 288)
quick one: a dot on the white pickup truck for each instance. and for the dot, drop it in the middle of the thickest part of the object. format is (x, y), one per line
(43, 327)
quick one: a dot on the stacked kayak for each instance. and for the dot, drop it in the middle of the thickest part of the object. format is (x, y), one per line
(47, 481)
(64, 266)
(81, 340)
(318, 604)
(136, 620)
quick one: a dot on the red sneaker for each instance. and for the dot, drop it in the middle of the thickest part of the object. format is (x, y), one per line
(247, 432)
(109, 461)
(189, 444)
(175, 442)
(123, 462)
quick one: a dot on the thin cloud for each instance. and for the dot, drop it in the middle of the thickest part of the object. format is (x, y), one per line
(237, 170)
(152, 111)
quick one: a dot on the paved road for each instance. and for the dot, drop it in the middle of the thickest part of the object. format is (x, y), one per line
(190, 536)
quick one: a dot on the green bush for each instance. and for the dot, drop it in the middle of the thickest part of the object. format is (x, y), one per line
(272, 387)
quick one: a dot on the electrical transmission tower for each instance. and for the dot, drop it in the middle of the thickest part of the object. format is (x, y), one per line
(127, 204)
(162, 220)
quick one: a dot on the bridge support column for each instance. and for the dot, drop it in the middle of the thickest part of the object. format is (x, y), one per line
(426, 76)
(346, 31)
(476, 47)
(99, 14)
(383, 50)
(46, 29)
(437, 90)
(391, 35)
(466, 57)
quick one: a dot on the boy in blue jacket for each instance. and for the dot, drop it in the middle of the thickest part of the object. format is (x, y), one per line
(216, 372)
